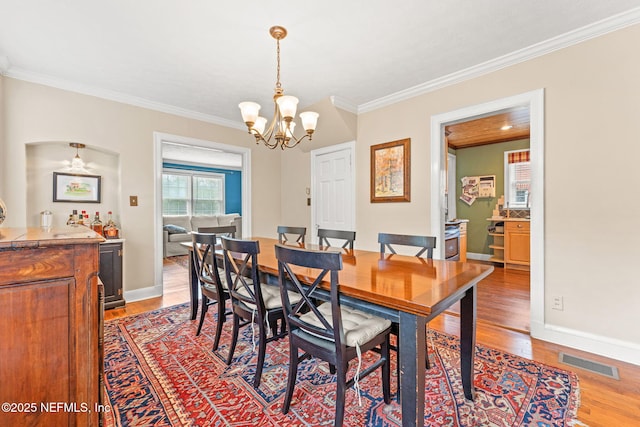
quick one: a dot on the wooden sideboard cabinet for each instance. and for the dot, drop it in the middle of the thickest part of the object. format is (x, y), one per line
(111, 273)
(517, 245)
(50, 327)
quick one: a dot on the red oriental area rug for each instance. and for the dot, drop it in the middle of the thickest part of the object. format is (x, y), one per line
(158, 373)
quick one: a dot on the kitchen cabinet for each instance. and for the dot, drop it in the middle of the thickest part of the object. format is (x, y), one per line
(111, 273)
(50, 327)
(517, 243)
(510, 242)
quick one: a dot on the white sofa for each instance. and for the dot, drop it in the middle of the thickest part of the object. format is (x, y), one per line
(177, 229)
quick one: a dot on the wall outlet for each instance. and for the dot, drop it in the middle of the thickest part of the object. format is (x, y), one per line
(133, 200)
(557, 303)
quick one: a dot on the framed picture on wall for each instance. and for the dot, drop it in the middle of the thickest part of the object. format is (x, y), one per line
(76, 188)
(391, 171)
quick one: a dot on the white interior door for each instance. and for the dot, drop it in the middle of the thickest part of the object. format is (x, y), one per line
(333, 190)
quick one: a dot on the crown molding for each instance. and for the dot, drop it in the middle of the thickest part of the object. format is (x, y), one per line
(343, 104)
(21, 74)
(614, 23)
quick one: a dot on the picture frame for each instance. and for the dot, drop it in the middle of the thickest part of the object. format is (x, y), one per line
(74, 188)
(391, 171)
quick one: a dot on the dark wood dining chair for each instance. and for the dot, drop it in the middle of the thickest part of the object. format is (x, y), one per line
(328, 331)
(252, 302)
(297, 232)
(220, 231)
(212, 279)
(325, 234)
(425, 243)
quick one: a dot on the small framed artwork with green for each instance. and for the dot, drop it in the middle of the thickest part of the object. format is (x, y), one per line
(76, 188)
(391, 171)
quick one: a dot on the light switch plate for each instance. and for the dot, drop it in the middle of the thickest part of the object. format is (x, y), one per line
(133, 200)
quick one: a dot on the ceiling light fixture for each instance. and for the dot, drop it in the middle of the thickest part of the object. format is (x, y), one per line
(282, 124)
(77, 165)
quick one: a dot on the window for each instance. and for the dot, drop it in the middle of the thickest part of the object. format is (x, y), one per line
(517, 179)
(192, 194)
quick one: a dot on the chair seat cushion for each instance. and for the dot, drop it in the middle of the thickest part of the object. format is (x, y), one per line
(223, 279)
(359, 327)
(270, 295)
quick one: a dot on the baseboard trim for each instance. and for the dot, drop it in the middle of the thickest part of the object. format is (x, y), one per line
(624, 351)
(478, 257)
(142, 294)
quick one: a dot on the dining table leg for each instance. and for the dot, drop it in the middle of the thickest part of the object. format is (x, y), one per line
(412, 359)
(468, 340)
(193, 286)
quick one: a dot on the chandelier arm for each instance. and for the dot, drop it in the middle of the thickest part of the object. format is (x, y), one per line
(287, 144)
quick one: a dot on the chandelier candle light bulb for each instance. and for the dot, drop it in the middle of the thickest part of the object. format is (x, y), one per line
(285, 106)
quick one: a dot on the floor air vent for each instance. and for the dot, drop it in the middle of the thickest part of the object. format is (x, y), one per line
(589, 365)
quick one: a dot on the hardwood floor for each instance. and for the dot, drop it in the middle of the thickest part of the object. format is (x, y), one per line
(502, 316)
(503, 299)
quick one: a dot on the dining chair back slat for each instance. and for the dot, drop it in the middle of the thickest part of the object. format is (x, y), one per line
(425, 243)
(220, 230)
(297, 232)
(325, 234)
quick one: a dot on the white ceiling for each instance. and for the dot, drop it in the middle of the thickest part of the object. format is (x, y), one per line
(201, 58)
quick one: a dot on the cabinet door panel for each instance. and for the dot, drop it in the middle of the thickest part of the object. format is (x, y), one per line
(518, 245)
(36, 348)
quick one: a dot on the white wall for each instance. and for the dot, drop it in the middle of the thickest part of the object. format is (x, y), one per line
(34, 113)
(591, 156)
(47, 157)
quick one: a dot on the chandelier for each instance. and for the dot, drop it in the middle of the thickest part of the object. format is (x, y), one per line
(280, 131)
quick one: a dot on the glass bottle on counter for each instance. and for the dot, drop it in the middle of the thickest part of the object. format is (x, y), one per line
(71, 221)
(74, 216)
(110, 230)
(96, 224)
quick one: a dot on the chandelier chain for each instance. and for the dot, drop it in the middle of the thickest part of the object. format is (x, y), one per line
(278, 84)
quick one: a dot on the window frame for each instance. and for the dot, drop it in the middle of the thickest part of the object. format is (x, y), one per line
(190, 189)
(507, 182)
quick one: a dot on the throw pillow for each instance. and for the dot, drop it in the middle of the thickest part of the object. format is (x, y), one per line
(174, 229)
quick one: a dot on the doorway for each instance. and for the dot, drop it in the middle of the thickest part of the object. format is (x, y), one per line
(534, 100)
(162, 138)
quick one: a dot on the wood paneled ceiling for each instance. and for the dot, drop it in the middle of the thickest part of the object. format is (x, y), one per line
(489, 130)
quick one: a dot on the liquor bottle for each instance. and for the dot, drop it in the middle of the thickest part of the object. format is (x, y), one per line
(71, 221)
(96, 224)
(81, 220)
(74, 216)
(110, 230)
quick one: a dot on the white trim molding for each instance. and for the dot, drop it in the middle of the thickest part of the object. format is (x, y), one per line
(625, 351)
(571, 38)
(535, 101)
(158, 139)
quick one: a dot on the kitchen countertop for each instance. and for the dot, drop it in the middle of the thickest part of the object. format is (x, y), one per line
(509, 219)
(456, 221)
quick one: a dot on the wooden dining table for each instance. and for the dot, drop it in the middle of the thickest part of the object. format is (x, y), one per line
(405, 289)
